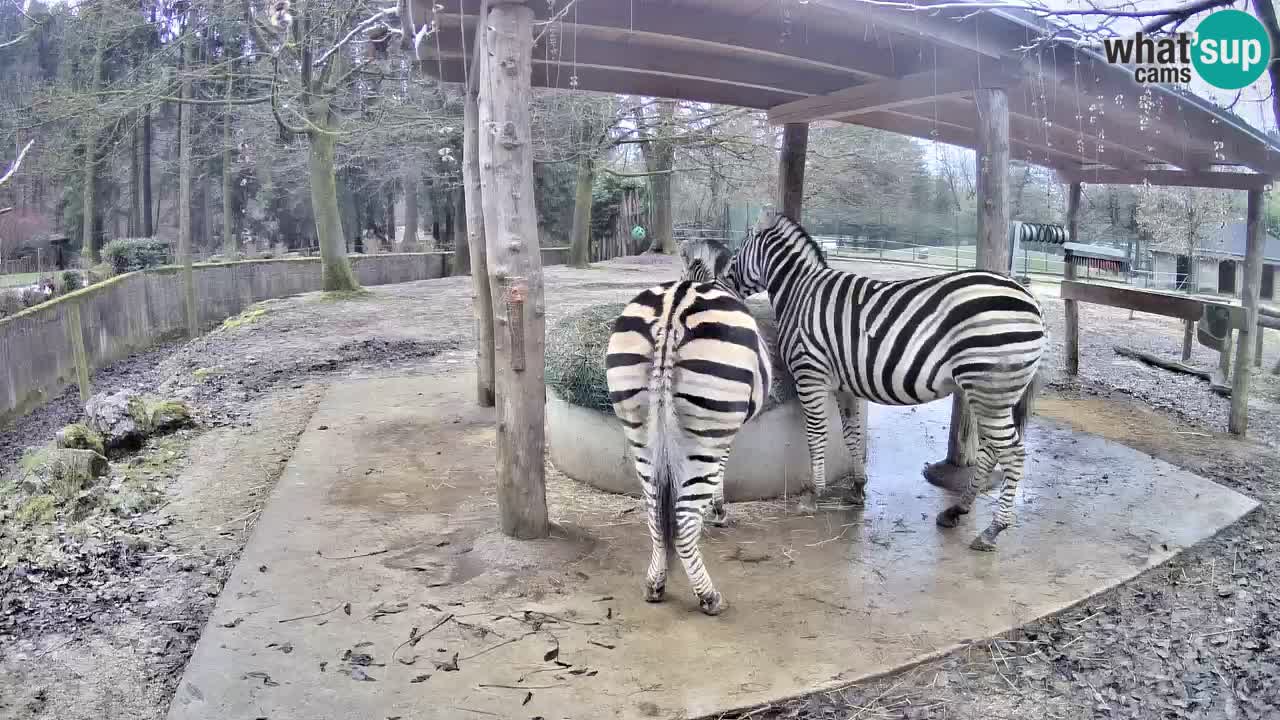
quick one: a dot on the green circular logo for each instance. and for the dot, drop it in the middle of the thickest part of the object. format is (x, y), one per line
(1231, 49)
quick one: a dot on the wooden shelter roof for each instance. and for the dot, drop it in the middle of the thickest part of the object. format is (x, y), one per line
(908, 71)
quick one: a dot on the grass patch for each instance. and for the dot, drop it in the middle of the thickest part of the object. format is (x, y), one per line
(248, 317)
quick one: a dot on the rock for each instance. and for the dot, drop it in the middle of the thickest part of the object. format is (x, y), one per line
(156, 416)
(52, 478)
(109, 416)
(78, 436)
(127, 417)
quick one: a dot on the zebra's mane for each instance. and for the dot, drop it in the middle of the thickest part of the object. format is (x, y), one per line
(787, 230)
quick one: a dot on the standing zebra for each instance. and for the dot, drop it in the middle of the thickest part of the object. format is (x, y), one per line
(900, 343)
(686, 368)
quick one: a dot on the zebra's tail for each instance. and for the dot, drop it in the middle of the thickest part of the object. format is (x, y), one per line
(1026, 402)
(664, 443)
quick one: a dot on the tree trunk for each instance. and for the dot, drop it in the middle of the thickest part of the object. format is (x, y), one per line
(88, 208)
(336, 269)
(580, 243)
(1071, 322)
(228, 183)
(148, 223)
(410, 241)
(461, 248)
(659, 156)
(135, 182)
(791, 162)
(515, 267)
(1250, 292)
(184, 193)
(389, 231)
(481, 298)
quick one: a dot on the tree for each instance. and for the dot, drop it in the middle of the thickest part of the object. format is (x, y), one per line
(1182, 221)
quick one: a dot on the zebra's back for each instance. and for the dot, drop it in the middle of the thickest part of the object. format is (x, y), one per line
(908, 342)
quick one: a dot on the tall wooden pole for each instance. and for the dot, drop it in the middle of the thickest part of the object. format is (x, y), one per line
(992, 189)
(1072, 323)
(791, 161)
(481, 298)
(515, 265)
(184, 183)
(1239, 422)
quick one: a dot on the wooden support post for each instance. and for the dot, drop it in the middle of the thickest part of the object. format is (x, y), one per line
(481, 298)
(1071, 307)
(1188, 336)
(795, 144)
(1257, 345)
(992, 189)
(1224, 359)
(75, 332)
(1239, 422)
(515, 265)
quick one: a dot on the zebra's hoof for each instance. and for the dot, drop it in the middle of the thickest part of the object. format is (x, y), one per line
(712, 603)
(950, 517)
(654, 593)
(718, 516)
(986, 542)
(807, 504)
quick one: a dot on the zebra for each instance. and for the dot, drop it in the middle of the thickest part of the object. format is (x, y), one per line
(686, 368)
(904, 342)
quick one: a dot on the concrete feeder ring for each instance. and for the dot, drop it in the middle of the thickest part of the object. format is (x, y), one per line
(770, 456)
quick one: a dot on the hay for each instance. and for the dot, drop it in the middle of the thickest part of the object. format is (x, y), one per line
(576, 347)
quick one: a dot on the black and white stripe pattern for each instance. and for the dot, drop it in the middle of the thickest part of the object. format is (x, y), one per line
(686, 368)
(900, 343)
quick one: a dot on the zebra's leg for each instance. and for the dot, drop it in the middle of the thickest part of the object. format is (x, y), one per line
(689, 512)
(950, 517)
(655, 583)
(813, 400)
(717, 514)
(852, 421)
(1006, 442)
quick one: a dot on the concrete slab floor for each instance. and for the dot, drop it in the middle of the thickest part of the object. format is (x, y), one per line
(382, 528)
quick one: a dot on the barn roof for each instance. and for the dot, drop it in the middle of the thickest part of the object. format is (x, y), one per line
(883, 66)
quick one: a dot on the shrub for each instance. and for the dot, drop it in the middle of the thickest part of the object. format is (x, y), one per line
(100, 272)
(71, 281)
(10, 303)
(129, 254)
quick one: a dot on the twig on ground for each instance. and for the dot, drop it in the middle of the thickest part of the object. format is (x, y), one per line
(1221, 632)
(495, 647)
(313, 615)
(522, 687)
(352, 557)
(1004, 677)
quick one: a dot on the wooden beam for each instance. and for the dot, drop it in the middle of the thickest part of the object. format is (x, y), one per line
(920, 24)
(791, 162)
(1249, 298)
(1147, 301)
(515, 268)
(891, 93)
(628, 53)
(1072, 321)
(629, 82)
(711, 29)
(1176, 178)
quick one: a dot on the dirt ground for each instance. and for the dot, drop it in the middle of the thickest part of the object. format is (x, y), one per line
(109, 635)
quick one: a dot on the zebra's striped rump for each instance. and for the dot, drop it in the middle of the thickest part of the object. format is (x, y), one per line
(686, 368)
(904, 342)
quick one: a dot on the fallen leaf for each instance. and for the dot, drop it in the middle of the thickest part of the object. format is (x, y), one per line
(347, 608)
(551, 654)
(264, 677)
(420, 678)
(450, 666)
(358, 673)
(527, 697)
(233, 623)
(408, 661)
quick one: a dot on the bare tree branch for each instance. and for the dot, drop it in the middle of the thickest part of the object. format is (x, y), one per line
(16, 163)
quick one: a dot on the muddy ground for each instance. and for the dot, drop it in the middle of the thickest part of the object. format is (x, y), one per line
(108, 635)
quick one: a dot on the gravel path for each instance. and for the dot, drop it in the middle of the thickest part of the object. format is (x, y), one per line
(1197, 638)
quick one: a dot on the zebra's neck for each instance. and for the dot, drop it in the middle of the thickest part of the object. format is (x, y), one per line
(786, 268)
